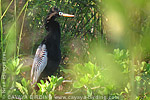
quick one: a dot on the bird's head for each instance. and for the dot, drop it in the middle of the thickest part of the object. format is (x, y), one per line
(55, 12)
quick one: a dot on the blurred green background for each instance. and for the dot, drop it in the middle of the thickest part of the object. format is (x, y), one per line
(105, 48)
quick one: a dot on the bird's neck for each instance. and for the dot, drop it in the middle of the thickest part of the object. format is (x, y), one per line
(53, 30)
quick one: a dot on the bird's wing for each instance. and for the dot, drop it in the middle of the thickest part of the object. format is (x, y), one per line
(39, 63)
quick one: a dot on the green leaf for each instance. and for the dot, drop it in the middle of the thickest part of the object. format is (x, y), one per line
(105, 91)
(49, 88)
(17, 61)
(128, 86)
(126, 90)
(39, 85)
(42, 82)
(84, 80)
(49, 78)
(89, 92)
(46, 83)
(138, 78)
(77, 84)
(25, 90)
(59, 81)
(24, 83)
(18, 69)
(14, 63)
(90, 68)
(19, 86)
(66, 71)
(42, 87)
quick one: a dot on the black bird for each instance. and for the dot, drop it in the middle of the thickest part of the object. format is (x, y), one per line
(48, 54)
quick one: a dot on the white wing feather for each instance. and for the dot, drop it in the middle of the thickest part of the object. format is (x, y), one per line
(39, 63)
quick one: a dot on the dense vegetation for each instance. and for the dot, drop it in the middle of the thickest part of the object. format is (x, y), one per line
(105, 49)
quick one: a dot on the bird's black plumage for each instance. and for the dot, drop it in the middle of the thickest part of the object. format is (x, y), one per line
(52, 42)
(48, 54)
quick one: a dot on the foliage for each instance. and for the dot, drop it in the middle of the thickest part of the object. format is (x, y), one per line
(80, 27)
(17, 87)
(90, 77)
(122, 58)
(48, 88)
(90, 80)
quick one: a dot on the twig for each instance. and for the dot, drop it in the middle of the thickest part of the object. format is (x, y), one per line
(67, 81)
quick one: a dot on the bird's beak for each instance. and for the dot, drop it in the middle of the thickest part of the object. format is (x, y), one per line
(65, 15)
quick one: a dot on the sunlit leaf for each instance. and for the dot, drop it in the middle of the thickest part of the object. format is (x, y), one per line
(77, 84)
(19, 86)
(126, 90)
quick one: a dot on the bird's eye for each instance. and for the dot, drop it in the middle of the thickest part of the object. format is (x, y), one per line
(60, 13)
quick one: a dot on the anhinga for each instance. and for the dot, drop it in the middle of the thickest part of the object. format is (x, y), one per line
(48, 54)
